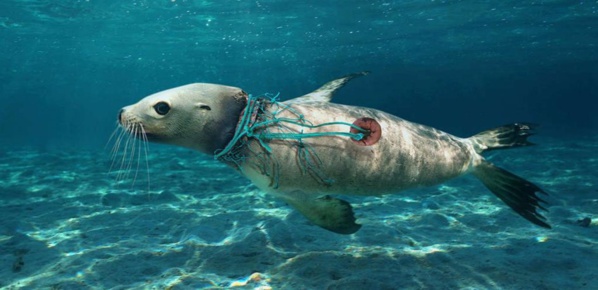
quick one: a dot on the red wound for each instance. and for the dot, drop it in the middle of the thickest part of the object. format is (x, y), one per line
(372, 133)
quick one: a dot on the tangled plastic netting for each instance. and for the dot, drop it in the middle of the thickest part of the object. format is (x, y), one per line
(260, 117)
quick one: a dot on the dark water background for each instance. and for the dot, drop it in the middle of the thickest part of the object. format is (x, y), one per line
(67, 67)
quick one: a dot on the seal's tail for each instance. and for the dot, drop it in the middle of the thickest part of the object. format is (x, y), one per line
(518, 193)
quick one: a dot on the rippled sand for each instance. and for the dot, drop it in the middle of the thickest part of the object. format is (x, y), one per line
(69, 224)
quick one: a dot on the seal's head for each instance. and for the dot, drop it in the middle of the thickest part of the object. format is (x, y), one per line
(198, 116)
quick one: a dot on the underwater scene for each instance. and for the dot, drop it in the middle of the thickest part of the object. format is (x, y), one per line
(269, 144)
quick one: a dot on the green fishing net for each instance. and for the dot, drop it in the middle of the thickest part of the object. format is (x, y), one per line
(261, 121)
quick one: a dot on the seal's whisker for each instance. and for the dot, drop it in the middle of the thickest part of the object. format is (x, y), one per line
(130, 142)
(132, 152)
(139, 133)
(115, 150)
(112, 135)
(122, 170)
(116, 147)
(146, 150)
(117, 140)
(122, 135)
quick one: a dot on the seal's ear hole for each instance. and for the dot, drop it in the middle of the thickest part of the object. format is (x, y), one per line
(162, 108)
(205, 107)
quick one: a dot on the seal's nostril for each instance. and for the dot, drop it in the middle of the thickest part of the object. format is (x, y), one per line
(120, 114)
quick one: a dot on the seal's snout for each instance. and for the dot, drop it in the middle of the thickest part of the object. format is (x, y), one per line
(124, 116)
(120, 116)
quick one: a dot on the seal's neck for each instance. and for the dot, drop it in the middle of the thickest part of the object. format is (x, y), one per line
(248, 117)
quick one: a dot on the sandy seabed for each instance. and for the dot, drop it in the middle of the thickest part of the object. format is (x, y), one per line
(69, 224)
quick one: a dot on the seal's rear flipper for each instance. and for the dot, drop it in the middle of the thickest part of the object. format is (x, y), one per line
(504, 137)
(330, 213)
(325, 92)
(515, 191)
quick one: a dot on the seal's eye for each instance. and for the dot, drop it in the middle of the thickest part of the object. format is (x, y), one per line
(162, 108)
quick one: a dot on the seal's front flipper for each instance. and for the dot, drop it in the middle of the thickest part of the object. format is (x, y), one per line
(325, 92)
(515, 191)
(330, 213)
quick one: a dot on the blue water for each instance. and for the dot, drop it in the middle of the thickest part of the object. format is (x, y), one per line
(67, 67)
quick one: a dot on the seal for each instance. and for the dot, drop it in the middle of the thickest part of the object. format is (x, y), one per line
(306, 149)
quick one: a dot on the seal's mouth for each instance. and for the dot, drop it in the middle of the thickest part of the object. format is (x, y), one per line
(134, 127)
(138, 131)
